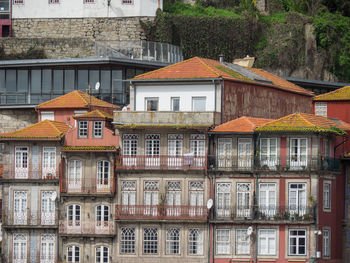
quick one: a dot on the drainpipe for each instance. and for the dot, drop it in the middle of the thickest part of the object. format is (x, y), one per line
(256, 142)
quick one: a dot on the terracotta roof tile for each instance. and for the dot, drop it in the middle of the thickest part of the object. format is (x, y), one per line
(242, 124)
(303, 122)
(74, 99)
(44, 130)
(339, 94)
(200, 68)
(95, 114)
(89, 149)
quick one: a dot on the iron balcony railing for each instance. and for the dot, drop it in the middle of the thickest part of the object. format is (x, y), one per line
(270, 212)
(160, 212)
(161, 162)
(22, 173)
(273, 163)
(28, 217)
(87, 186)
(86, 228)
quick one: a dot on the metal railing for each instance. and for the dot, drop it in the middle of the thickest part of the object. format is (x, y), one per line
(87, 186)
(271, 212)
(29, 174)
(86, 228)
(139, 50)
(161, 162)
(161, 212)
(273, 163)
(30, 217)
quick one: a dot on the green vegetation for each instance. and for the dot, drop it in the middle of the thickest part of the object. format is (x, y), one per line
(31, 53)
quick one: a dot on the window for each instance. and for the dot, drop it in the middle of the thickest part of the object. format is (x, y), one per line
(89, 1)
(196, 194)
(195, 241)
(175, 104)
(326, 195)
(199, 103)
(151, 104)
(47, 248)
(321, 109)
(267, 242)
(130, 144)
(267, 199)
(150, 241)
(54, 1)
(197, 144)
(128, 196)
(49, 161)
(102, 254)
(297, 242)
(20, 207)
(173, 241)
(298, 152)
(151, 189)
(97, 129)
(103, 172)
(127, 2)
(326, 233)
(173, 198)
(243, 200)
(297, 198)
(18, 2)
(175, 142)
(48, 207)
(102, 216)
(83, 129)
(242, 242)
(152, 144)
(244, 153)
(73, 254)
(127, 240)
(47, 115)
(224, 152)
(223, 199)
(74, 175)
(77, 113)
(222, 241)
(268, 152)
(19, 248)
(73, 216)
(21, 162)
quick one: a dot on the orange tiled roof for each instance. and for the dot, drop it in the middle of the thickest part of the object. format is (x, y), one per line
(200, 68)
(95, 114)
(339, 94)
(44, 130)
(303, 122)
(242, 124)
(74, 99)
(279, 82)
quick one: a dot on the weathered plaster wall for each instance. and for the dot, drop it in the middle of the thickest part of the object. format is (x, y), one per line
(14, 119)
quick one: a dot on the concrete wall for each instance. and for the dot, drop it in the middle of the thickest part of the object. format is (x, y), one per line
(77, 8)
(14, 119)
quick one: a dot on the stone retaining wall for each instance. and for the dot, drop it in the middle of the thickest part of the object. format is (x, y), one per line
(14, 119)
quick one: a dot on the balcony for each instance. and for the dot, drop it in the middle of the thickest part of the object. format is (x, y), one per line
(30, 218)
(25, 174)
(161, 162)
(76, 227)
(278, 164)
(290, 214)
(160, 212)
(87, 186)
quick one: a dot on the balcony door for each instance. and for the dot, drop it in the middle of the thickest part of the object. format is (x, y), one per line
(224, 153)
(267, 200)
(102, 219)
(21, 162)
(151, 192)
(103, 176)
(173, 198)
(297, 198)
(197, 145)
(47, 249)
(268, 153)
(74, 176)
(244, 153)
(48, 207)
(49, 162)
(243, 200)
(130, 149)
(128, 197)
(152, 151)
(298, 153)
(20, 215)
(196, 198)
(223, 199)
(175, 145)
(19, 248)
(74, 218)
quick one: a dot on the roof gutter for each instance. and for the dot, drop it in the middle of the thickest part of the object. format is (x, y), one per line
(172, 80)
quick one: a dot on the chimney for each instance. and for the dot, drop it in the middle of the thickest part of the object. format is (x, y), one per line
(221, 58)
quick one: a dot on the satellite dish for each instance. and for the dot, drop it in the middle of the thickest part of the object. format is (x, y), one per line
(210, 203)
(249, 231)
(53, 197)
(97, 85)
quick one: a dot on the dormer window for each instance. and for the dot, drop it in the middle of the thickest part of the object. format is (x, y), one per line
(83, 129)
(47, 115)
(97, 129)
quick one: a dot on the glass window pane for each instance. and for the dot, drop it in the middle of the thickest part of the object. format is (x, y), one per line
(47, 77)
(11, 80)
(117, 76)
(69, 76)
(2, 81)
(58, 81)
(83, 80)
(105, 81)
(22, 81)
(36, 81)
(93, 79)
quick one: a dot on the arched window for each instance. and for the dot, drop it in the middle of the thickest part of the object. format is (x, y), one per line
(20, 248)
(47, 248)
(102, 254)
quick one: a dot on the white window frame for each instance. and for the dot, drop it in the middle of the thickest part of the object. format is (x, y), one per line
(242, 242)
(202, 98)
(150, 242)
(195, 241)
(47, 248)
(47, 115)
(75, 252)
(223, 247)
(298, 163)
(300, 195)
(101, 258)
(103, 174)
(297, 238)
(223, 199)
(150, 99)
(197, 144)
(75, 175)
(172, 100)
(49, 161)
(74, 211)
(20, 241)
(97, 132)
(271, 234)
(82, 129)
(130, 142)
(270, 208)
(102, 213)
(270, 157)
(327, 195)
(173, 241)
(127, 240)
(244, 153)
(20, 205)
(326, 242)
(321, 109)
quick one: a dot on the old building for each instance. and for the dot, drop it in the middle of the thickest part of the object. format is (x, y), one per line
(278, 189)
